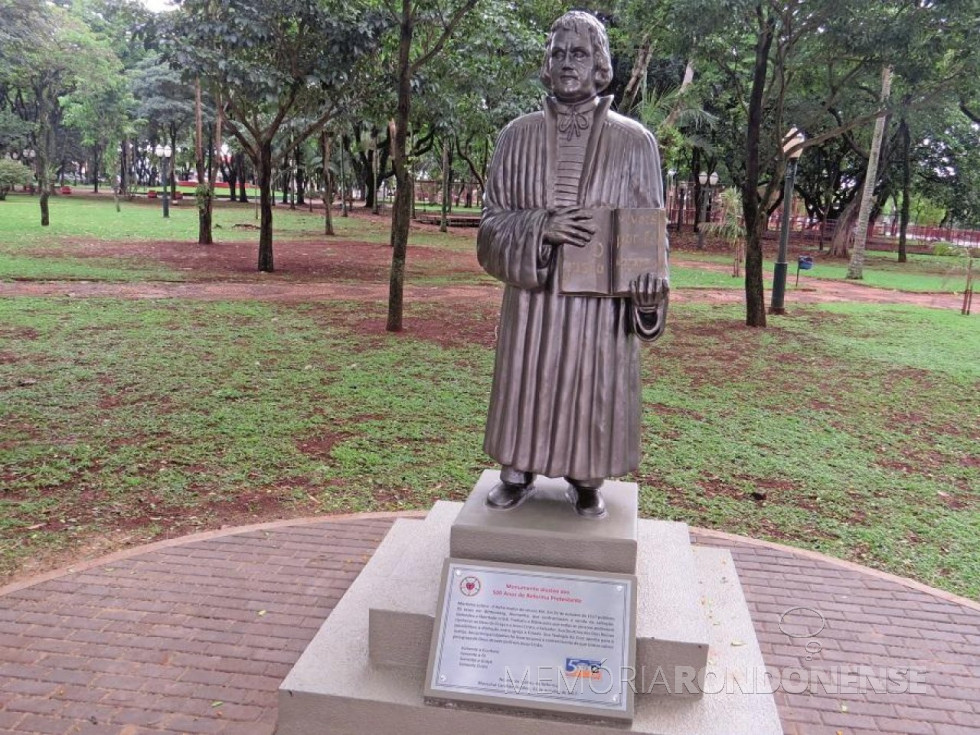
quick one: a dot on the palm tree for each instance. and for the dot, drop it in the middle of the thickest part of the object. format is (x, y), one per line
(730, 227)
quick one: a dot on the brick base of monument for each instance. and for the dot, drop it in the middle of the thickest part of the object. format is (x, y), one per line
(367, 663)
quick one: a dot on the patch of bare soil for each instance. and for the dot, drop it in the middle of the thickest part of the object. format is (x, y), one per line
(328, 269)
(445, 326)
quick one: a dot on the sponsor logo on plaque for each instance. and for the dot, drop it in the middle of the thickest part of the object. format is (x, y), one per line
(584, 668)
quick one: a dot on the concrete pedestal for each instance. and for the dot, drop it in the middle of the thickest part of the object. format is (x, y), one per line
(671, 630)
(545, 530)
(367, 663)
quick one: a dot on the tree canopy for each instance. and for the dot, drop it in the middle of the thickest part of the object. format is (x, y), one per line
(418, 89)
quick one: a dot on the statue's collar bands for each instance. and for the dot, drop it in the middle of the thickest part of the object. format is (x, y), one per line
(573, 120)
(579, 108)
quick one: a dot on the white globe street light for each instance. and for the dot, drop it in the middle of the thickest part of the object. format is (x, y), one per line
(708, 182)
(163, 153)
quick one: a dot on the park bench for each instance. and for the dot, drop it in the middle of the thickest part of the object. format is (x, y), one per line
(452, 220)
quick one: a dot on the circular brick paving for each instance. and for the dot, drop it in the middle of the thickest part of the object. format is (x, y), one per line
(195, 635)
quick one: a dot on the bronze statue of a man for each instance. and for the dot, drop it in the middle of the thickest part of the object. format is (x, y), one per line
(566, 389)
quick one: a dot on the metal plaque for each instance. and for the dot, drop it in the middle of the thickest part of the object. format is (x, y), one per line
(534, 638)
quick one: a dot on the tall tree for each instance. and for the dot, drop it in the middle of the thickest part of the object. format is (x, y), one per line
(808, 60)
(271, 60)
(100, 107)
(45, 52)
(164, 100)
(856, 268)
(434, 23)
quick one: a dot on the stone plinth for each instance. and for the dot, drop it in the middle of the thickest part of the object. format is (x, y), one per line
(336, 688)
(545, 530)
(671, 629)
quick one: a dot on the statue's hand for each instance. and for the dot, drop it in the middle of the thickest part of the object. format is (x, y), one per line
(649, 292)
(568, 225)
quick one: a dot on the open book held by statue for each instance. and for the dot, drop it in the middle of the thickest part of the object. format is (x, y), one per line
(627, 243)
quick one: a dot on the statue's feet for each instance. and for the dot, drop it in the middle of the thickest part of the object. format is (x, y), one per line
(507, 496)
(588, 502)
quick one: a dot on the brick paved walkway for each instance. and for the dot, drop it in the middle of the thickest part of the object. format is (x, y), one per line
(194, 636)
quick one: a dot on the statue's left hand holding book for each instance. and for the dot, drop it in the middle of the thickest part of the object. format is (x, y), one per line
(627, 244)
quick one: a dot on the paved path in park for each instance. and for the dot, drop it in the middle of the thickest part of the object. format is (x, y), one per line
(194, 635)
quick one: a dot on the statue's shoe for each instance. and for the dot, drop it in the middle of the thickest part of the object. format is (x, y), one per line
(588, 503)
(505, 496)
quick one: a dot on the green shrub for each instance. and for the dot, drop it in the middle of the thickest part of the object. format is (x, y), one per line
(948, 249)
(12, 173)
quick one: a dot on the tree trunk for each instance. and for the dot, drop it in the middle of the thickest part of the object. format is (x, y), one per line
(477, 174)
(376, 167)
(172, 173)
(96, 165)
(370, 185)
(343, 182)
(681, 197)
(855, 271)
(840, 243)
(906, 190)
(695, 171)
(638, 76)
(240, 164)
(402, 210)
(202, 195)
(230, 172)
(444, 218)
(823, 222)
(326, 143)
(124, 167)
(754, 213)
(45, 147)
(264, 166)
(300, 177)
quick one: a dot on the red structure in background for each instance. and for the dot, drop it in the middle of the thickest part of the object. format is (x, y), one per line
(681, 213)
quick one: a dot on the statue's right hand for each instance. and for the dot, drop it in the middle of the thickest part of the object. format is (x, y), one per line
(568, 226)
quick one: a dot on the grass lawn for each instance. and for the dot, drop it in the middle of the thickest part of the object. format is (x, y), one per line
(140, 219)
(851, 429)
(929, 273)
(28, 251)
(58, 252)
(923, 273)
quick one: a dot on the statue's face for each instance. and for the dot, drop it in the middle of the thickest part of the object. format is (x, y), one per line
(571, 66)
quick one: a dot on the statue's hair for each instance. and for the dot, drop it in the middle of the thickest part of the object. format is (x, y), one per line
(575, 20)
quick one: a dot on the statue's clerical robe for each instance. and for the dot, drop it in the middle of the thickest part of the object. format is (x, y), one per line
(566, 387)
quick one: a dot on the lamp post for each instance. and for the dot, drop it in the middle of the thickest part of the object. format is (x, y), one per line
(792, 149)
(226, 160)
(707, 182)
(163, 153)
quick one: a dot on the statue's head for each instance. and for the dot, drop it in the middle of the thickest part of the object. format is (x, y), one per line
(577, 63)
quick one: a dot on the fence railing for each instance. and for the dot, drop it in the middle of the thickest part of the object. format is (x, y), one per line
(682, 213)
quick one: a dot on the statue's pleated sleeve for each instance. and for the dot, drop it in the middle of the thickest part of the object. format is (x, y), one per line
(510, 243)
